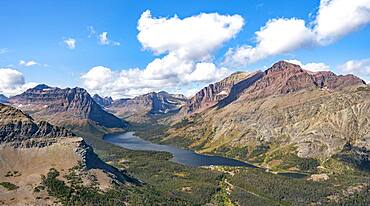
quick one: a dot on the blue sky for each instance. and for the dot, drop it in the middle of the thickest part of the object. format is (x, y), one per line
(36, 31)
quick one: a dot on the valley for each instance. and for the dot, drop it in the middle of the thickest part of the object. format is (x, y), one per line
(284, 136)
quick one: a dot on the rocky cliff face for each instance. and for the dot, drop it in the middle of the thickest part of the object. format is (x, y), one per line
(64, 107)
(213, 93)
(104, 102)
(287, 112)
(17, 126)
(147, 105)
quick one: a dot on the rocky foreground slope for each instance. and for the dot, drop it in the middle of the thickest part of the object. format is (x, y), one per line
(29, 149)
(73, 108)
(286, 114)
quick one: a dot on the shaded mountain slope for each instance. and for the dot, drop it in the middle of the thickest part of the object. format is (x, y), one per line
(213, 93)
(3, 98)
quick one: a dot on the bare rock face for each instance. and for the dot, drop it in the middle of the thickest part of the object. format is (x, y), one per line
(213, 93)
(284, 78)
(69, 106)
(17, 126)
(148, 104)
(104, 102)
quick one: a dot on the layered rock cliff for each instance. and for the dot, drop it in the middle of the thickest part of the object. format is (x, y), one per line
(213, 93)
(64, 107)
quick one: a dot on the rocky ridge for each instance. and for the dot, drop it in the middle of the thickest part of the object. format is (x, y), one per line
(64, 107)
(147, 105)
(104, 102)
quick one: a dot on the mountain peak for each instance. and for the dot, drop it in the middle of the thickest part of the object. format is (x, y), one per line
(41, 87)
(104, 102)
(285, 66)
(69, 105)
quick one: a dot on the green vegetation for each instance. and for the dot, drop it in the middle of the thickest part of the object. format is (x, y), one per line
(182, 123)
(9, 185)
(240, 153)
(168, 183)
(281, 190)
(13, 174)
(363, 89)
(75, 193)
(355, 156)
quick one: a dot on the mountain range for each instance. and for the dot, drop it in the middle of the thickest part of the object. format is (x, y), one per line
(275, 117)
(144, 107)
(283, 119)
(69, 107)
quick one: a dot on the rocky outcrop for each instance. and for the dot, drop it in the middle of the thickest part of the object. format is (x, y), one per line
(17, 126)
(70, 106)
(104, 102)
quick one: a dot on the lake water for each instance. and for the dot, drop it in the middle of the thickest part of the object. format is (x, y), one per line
(183, 156)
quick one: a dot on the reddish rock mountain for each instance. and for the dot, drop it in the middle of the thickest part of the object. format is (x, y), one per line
(213, 93)
(284, 110)
(284, 77)
(65, 106)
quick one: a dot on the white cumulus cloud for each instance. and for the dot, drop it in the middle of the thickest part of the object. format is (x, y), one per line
(277, 36)
(12, 82)
(97, 76)
(187, 46)
(358, 67)
(70, 43)
(191, 37)
(313, 66)
(334, 19)
(337, 18)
